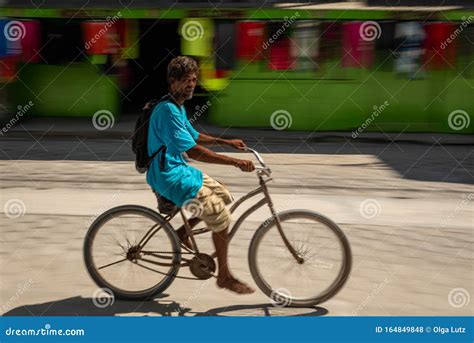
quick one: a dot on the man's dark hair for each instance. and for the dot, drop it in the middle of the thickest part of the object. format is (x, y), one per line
(181, 66)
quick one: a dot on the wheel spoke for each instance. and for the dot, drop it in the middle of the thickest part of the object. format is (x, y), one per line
(322, 246)
(115, 238)
(147, 236)
(113, 263)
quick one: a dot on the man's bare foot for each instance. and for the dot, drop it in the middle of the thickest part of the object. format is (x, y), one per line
(234, 285)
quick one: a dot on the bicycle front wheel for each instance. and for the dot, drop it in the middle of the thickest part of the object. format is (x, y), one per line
(324, 266)
(132, 251)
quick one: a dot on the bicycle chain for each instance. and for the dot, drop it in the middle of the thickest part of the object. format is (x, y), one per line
(164, 252)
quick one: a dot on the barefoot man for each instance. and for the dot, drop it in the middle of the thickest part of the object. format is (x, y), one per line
(173, 178)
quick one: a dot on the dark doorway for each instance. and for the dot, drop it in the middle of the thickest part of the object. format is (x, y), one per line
(159, 43)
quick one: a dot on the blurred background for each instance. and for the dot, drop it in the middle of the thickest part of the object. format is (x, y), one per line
(363, 110)
(331, 65)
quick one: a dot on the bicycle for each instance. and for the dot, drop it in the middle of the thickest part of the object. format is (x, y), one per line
(278, 261)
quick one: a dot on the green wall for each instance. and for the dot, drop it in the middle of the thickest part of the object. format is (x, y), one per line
(77, 89)
(342, 99)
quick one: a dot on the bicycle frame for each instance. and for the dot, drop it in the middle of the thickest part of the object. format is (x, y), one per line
(266, 200)
(192, 232)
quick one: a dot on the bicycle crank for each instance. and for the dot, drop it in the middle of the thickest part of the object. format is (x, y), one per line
(202, 266)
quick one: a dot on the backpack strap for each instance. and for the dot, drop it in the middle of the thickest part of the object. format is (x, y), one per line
(150, 106)
(163, 156)
(169, 97)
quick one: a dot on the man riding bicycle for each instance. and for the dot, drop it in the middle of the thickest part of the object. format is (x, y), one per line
(180, 182)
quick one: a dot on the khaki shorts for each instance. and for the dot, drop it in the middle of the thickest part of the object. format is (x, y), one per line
(213, 198)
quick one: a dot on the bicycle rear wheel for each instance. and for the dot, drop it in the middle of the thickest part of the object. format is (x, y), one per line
(321, 244)
(117, 258)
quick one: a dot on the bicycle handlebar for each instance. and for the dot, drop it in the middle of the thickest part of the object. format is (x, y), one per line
(257, 155)
(266, 170)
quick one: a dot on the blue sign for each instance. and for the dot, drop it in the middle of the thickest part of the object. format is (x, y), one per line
(237, 329)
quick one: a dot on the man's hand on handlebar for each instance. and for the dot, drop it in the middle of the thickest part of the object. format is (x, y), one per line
(236, 143)
(245, 165)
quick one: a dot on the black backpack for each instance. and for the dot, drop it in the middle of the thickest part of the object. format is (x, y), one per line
(140, 137)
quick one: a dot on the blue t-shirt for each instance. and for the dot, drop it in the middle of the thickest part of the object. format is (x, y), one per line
(178, 181)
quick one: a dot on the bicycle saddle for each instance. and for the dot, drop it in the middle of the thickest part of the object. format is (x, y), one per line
(165, 206)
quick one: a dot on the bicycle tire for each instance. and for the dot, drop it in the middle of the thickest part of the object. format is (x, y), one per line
(283, 298)
(137, 210)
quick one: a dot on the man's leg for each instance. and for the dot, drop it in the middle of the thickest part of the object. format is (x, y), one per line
(183, 235)
(225, 278)
(213, 198)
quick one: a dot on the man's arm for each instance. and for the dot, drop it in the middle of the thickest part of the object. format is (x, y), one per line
(209, 140)
(203, 154)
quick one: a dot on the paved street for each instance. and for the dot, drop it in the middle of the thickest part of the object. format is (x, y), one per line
(413, 256)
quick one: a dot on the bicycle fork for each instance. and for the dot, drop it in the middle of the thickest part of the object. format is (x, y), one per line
(287, 243)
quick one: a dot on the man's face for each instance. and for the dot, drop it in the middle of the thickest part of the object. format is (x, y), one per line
(185, 86)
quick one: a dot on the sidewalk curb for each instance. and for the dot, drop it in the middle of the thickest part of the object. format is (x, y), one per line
(264, 135)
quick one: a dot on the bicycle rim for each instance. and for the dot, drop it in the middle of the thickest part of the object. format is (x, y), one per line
(110, 240)
(321, 243)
